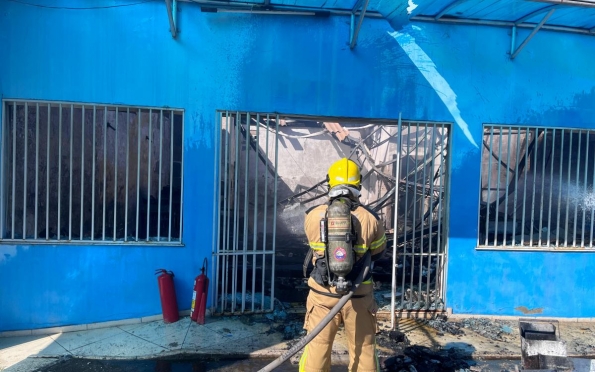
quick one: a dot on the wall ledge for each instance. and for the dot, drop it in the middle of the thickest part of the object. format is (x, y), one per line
(87, 327)
(452, 316)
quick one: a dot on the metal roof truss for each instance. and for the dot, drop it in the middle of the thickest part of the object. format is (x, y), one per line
(362, 8)
(514, 52)
(356, 26)
(519, 23)
(172, 10)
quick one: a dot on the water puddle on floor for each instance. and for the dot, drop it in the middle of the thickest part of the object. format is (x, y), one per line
(179, 365)
(204, 364)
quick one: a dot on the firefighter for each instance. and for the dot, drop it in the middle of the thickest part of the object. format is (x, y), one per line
(359, 313)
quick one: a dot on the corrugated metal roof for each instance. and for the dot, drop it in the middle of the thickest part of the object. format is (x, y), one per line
(567, 13)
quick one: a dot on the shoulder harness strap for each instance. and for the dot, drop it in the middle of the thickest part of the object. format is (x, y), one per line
(307, 261)
(308, 258)
(371, 212)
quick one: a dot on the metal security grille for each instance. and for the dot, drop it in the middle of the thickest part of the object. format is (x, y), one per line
(245, 249)
(420, 235)
(537, 188)
(90, 173)
(272, 170)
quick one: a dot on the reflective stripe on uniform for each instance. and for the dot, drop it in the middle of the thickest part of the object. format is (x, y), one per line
(303, 360)
(376, 244)
(360, 248)
(317, 246)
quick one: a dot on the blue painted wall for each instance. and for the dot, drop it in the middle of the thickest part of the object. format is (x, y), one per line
(295, 65)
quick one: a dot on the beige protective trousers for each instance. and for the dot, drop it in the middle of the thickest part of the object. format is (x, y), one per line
(359, 318)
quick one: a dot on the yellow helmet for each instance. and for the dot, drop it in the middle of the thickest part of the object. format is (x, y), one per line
(344, 172)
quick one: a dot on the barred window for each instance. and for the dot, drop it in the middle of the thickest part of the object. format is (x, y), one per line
(90, 173)
(537, 188)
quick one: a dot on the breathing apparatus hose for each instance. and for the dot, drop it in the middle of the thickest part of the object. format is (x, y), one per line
(310, 336)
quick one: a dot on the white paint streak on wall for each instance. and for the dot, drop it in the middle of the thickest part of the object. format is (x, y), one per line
(411, 6)
(428, 69)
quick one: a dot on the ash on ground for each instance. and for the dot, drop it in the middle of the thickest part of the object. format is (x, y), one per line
(391, 342)
(423, 359)
(443, 326)
(492, 329)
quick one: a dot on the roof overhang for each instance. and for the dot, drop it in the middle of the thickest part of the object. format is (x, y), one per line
(577, 16)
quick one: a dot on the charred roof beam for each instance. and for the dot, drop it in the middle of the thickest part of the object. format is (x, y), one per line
(356, 25)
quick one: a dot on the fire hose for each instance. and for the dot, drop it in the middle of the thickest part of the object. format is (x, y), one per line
(310, 336)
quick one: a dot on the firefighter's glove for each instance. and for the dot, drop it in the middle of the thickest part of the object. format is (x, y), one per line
(357, 267)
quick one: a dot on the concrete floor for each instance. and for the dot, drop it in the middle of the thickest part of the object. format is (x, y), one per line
(244, 336)
(143, 340)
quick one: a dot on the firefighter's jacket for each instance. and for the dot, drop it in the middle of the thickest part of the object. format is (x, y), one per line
(367, 225)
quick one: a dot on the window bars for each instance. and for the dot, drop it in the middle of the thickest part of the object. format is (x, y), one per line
(419, 252)
(245, 250)
(537, 188)
(90, 173)
(264, 195)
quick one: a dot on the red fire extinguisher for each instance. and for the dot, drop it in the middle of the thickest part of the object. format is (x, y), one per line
(167, 292)
(199, 296)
